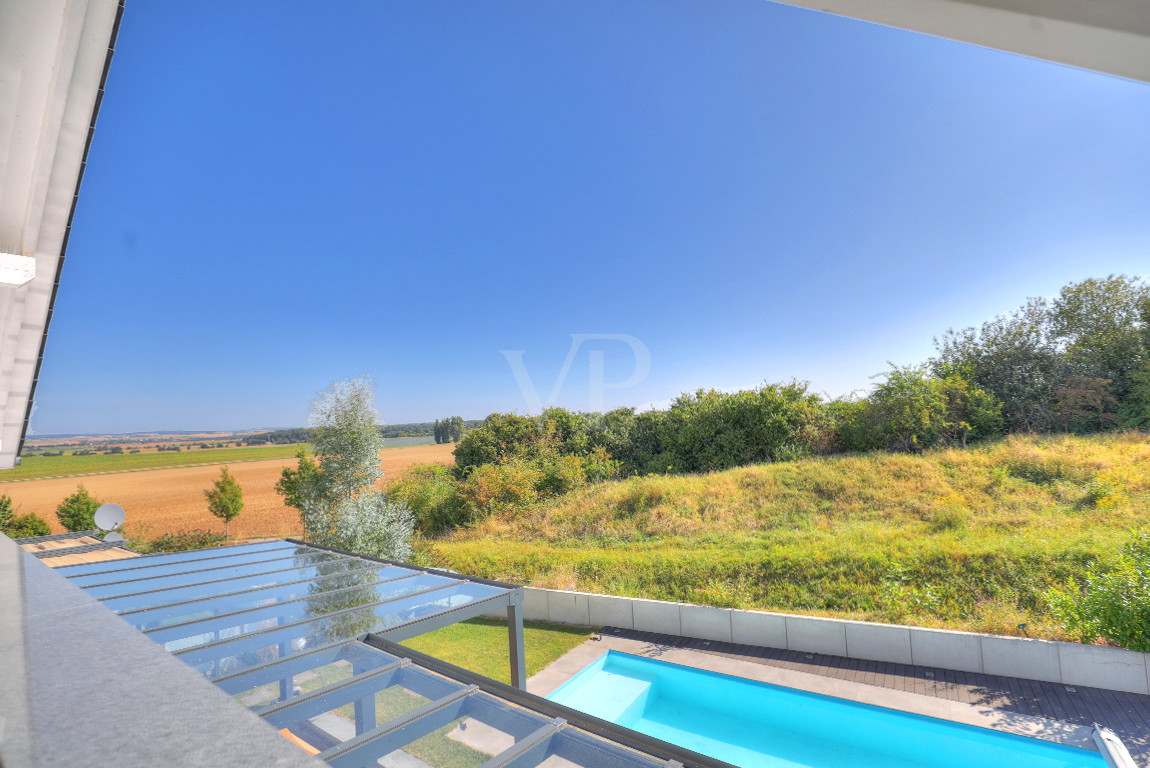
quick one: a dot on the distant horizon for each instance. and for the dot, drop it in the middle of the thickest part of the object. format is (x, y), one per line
(491, 206)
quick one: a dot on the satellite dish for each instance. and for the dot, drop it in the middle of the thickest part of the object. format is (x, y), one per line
(113, 537)
(109, 517)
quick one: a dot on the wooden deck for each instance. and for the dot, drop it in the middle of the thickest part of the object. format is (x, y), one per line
(1127, 714)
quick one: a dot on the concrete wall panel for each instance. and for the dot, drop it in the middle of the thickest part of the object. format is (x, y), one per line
(878, 642)
(657, 616)
(815, 635)
(1101, 667)
(568, 608)
(949, 650)
(766, 630)
(705, 622)
(1021, 657)
(608, 611)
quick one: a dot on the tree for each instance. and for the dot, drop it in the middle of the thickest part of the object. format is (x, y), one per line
(1016, 358)
(1101, 325)
(77, 512)
(225, 499)
(5, 511)
(455, 428)
(336, 492)
(1134, 412)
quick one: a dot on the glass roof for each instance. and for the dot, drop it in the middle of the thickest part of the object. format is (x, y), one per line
(303, 636)
(223, 608)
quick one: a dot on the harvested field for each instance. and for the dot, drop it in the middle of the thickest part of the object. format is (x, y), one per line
(161, 501)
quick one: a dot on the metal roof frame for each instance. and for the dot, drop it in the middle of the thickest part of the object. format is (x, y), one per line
(77, 550)
(430, 606)
(540, 727)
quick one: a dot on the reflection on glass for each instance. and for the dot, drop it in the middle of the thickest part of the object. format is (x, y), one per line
(214, 606)
(321, 605)
(185, 579)
(245, 652)
(218, 589)
(198, 570)
(170, 557)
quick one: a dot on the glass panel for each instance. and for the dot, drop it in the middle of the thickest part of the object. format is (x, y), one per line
(351, 589)
(196, 566)
(220, 588)
(170, 557)
(243, 653)
(304, 673)
(214, 606)
(186, 579)
(488, 726)
(358, 707)
(570, 748)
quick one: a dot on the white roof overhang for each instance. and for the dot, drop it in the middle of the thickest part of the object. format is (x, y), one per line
(1108, 36)
(54, 56)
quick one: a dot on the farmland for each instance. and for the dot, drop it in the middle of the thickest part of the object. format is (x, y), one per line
(162, 499)
(34, 467)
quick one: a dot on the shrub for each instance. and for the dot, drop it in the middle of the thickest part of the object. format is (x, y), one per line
(502, 436)
(180, 541)
(20, 527)
(430, 491)
(709, 430)
(1110, 604)
(76, 512)
(371, 524)
(912, 410)
(492, 488)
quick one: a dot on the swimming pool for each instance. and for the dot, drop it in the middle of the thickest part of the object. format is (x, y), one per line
(754, 724)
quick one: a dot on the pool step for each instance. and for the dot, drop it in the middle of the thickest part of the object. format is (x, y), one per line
(617, 698)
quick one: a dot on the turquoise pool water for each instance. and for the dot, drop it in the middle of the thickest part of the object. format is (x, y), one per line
(753, 724)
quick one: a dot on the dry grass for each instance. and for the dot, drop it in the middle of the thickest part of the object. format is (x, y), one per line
(159, 501)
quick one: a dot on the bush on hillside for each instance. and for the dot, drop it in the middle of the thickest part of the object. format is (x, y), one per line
(431, 492)
(912, 411)
(1113, 604)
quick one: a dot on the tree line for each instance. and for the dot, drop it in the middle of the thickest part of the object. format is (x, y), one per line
(1078, 363)
(449, 430)
(387, 431)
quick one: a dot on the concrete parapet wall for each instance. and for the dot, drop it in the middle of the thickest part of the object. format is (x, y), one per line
(1069, 663)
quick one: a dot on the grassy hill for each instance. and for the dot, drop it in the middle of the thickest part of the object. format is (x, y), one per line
(965, 539)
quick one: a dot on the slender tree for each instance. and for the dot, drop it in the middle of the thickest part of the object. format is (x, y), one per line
(225, 499)
(335, 493)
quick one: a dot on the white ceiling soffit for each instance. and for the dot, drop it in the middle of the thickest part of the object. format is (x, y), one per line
(1109, 36)
(53, 61)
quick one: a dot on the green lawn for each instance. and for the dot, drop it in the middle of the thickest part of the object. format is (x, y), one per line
(34, 467)
(480, 645)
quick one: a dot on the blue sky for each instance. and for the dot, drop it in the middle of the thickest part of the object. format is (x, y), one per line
(277, 199)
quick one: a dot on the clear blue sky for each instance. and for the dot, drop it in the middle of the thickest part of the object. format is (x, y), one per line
(280, 195)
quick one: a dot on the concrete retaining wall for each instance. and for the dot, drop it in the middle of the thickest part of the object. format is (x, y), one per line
(1069, 663)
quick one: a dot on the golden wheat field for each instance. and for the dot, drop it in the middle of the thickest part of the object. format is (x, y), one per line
(159, 501)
